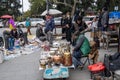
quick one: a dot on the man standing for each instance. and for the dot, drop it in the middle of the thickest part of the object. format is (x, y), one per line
(49, 26)
(105, 19)
(63, 23)
(68, 27)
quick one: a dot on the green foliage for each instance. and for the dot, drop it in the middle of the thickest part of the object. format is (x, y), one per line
(7, 8)
(37, 6)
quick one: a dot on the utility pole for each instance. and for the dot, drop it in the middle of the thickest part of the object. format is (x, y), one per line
(22, 7)
(22, 10)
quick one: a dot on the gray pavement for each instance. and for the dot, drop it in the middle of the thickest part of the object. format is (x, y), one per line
(26, 67)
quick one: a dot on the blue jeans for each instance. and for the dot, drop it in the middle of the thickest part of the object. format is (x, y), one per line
(11, 43)
(76, 56)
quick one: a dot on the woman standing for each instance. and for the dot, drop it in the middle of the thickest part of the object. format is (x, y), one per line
(28, 25)
(68, 27)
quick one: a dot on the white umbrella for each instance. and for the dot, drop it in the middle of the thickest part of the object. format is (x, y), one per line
(52, 12)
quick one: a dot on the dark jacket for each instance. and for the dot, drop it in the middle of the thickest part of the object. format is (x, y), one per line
(105, 20)
(14, 34)
(79, 27)
(20, 33)
(69, 22)
(39, 32)
(50, 25)
(63, 22)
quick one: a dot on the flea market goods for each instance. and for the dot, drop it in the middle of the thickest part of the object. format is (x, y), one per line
(49, 62)
(57, 59)
(42, 63)
(67, 61)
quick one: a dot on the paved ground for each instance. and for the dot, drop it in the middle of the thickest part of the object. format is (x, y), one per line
(26, 67)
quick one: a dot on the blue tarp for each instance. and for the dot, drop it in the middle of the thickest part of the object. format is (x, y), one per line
(114, 15)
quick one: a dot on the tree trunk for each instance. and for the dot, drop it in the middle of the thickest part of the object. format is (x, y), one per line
(73, 8)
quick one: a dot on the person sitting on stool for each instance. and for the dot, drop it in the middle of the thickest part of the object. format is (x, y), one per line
(40, 34)
(82, 47)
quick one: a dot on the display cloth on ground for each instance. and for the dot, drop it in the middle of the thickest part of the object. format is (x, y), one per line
(33, 46)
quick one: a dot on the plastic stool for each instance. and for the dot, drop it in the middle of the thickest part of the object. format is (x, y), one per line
(96, 70)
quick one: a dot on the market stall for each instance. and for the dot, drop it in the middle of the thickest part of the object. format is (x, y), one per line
(112, 36)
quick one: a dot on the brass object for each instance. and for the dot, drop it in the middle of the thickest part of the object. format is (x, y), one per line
(57, 59)
(67, 59)
(50, 60)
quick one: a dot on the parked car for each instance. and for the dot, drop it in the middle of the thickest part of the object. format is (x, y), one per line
(57, 21)
(1, 24)
(88, 19)
(34, 22)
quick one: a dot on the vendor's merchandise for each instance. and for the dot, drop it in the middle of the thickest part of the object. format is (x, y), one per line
(45, 45)
(42, 63)
(52, 53)
(58, 37)
(50, 60)
(67, 59)
(56, 44)
(57, 59)
(53, 49)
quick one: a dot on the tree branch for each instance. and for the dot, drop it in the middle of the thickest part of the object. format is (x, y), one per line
(57, 2)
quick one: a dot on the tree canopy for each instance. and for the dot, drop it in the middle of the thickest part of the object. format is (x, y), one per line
(38, 6)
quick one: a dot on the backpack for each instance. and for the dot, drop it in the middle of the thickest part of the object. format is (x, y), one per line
(85, 48)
